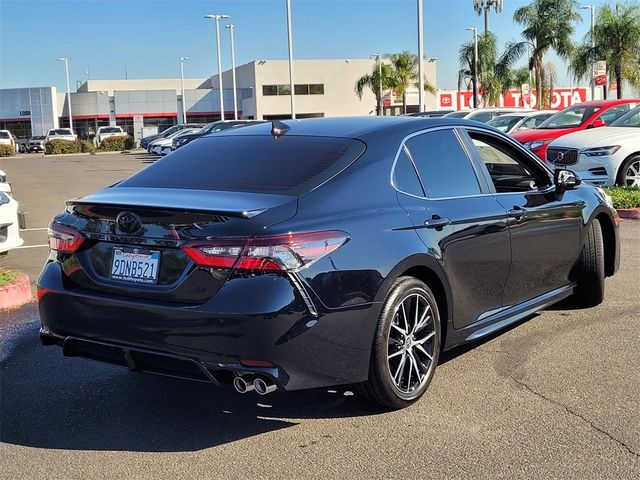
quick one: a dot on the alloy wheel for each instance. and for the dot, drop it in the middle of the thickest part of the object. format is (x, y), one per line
(632, 175)
(411, 344)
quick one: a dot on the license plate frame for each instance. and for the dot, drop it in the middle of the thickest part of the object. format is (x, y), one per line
(141, 265)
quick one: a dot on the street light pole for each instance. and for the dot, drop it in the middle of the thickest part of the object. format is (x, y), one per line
(593, 46)
(231, 28)
(184, 110)
(217, 19)
(475, 65)
(66, 69)
(420, 57)
(290, 40)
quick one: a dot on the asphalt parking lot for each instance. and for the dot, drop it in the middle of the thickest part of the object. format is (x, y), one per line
(556, 396)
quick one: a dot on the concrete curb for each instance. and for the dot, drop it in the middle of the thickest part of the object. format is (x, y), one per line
(629, 213)
(16, 294)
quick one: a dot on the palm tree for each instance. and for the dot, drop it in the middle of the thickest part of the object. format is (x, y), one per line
(372, 80)
(616, 36)
(404, 74)
(491, 79)
(548, 25)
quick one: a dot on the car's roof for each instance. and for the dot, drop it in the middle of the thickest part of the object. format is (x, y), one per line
(349, 126)
(607, 103)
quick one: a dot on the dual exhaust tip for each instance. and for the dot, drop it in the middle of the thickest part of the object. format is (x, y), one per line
(248, 383)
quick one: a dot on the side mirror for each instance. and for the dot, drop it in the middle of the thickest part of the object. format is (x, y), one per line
(565, 179)
(598, 122)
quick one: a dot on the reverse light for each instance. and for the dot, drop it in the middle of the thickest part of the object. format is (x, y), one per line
(64, 239)
(601, 151)
(537, 144)
(285, 253)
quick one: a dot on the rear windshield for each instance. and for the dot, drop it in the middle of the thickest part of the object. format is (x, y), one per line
(61, 131)
(110, 130)
(288, 165)
(4, 135)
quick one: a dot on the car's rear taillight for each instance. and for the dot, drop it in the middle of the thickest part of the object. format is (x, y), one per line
(64, 239)
(281, 253)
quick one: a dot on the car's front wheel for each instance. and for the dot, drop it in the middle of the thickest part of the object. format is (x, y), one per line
(629, 173)
(406, 345)
(590, 275)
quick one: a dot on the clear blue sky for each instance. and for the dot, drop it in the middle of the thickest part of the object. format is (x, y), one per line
(150, 36)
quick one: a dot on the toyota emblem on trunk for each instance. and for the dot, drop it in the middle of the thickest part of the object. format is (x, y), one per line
(128, 222)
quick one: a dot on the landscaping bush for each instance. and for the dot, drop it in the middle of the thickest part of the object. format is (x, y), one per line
(86, 146)
(116, 144)
(7, 150)
(58, 147)
(624, 197)
(8, 276)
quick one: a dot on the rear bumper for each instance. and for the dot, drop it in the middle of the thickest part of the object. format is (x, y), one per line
(254, 318)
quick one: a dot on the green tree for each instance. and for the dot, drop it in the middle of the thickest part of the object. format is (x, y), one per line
(617, 41)
(548, 25)
(374, 80)
(492, 80)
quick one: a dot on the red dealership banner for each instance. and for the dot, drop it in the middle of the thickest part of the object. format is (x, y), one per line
(560, 98)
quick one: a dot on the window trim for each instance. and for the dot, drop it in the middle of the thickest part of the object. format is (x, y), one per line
(485, 188)
(528, 156)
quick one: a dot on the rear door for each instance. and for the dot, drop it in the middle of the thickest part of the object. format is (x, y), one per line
(459, 221)
(544, 225)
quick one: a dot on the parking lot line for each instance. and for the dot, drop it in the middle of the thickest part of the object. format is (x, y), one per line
(32, 246)
(33, 229)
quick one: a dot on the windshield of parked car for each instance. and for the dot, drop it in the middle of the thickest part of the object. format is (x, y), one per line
(110, 130)
(569, 117)
(460, 114)
(288, 165)
(38, 137)
(629, 119)
(171, 130)
(5, 135)
(60, 131)
(506, 122)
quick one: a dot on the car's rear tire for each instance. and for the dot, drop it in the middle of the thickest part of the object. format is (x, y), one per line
(590, 272)
(629, 173)
(406, 346)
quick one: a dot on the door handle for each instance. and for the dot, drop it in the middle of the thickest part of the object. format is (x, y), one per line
(518, 213)
(437, 222)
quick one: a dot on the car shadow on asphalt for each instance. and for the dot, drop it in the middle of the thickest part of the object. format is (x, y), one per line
(48, 401)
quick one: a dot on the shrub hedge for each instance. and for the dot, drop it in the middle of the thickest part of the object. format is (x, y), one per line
(116, 144)
(59, 147)
(624, 197)
(7, 150)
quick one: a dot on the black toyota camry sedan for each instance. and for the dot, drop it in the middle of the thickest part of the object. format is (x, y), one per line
(301, 254)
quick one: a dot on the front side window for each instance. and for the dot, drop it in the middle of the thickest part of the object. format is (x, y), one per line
(508, 171)
(630, 119)
(443, 165)
(614, 113)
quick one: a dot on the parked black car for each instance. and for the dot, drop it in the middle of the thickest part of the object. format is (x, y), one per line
(309, 253)
(164, 134)
(213, 127)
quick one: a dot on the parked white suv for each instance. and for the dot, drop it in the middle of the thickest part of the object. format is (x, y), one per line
(602, 156)
(106, 132)
(9, 223)
(60, 134)
(7, 139)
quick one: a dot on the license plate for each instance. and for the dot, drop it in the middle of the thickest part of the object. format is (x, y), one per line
(135, 265)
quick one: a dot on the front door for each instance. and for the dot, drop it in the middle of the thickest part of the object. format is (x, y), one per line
(544, 225)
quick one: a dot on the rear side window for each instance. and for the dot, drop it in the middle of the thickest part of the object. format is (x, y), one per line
(443, 165)
(405, 176)
(288, 165)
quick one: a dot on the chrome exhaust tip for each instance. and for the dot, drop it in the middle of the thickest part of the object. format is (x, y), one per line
(244, 384)
(263, 386)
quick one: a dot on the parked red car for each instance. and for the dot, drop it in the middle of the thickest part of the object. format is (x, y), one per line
(593, 114)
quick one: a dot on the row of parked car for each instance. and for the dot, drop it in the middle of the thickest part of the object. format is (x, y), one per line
(599, 140)
(179, 135)
(9, 217)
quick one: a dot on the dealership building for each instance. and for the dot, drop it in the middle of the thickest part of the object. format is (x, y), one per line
(323, 88)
